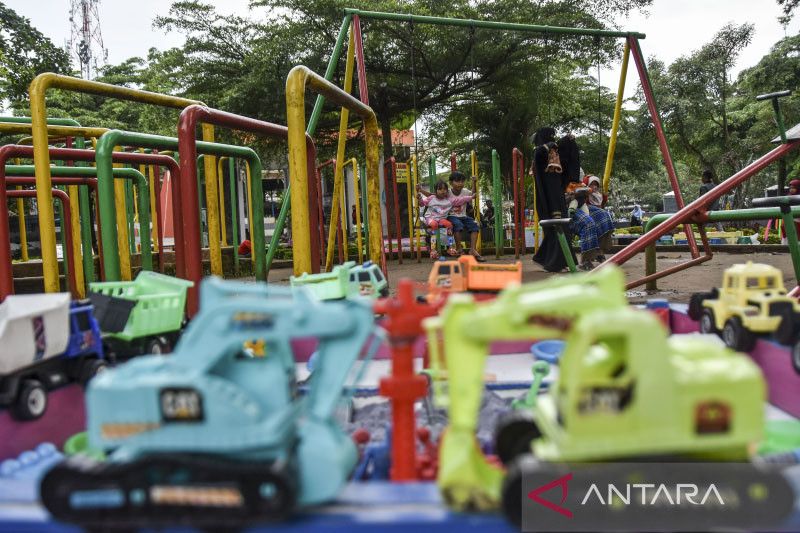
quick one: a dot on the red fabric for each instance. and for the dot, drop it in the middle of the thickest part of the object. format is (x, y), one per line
(434, 224)
(245, 248)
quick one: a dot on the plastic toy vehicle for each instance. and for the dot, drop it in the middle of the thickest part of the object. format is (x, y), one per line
(216, 435)
(547, 309)
(752, 301)
(626, 392)
(46, 342)
(345, 281)
(144, 316)
(466, 274)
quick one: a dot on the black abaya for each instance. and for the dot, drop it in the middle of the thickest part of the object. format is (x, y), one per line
(550, 203)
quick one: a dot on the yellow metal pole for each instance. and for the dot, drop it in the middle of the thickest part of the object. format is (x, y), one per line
(357, 187)
(153, 211)
(122, 225)
(23, 230)
(342, 140)
(296, 82)
(37, 90)
(212, 204)
(249, 209)
(54, 132)
(221, 189)
(343, 213)
(473, 159)
(410, 208)
(612, 142)
(414, 181)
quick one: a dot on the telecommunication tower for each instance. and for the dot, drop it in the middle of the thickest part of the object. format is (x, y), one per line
(86, 40)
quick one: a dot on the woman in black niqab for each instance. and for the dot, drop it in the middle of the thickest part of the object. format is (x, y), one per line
(551, 183)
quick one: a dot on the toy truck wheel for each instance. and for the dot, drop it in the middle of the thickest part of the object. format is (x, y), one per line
(31, 401)
(695, 310)
(708, 322)
(737, 337)
(515, 431)
(786, 331)
(158, 346)
(90, 368)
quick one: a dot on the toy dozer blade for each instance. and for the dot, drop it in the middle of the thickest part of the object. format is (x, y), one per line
(168, 489)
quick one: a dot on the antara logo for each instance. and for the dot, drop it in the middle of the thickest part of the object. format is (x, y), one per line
(652, 494)
(560, 482)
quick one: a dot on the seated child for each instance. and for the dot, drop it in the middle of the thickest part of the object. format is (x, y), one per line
(438, 207)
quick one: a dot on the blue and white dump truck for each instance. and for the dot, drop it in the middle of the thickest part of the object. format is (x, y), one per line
(46, 341)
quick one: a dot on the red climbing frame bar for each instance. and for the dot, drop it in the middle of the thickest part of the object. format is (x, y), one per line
(10, 151)
(518, 178)
(363, 91)
(695, 213)
(644, 79)
(64, 198)
(390, 184)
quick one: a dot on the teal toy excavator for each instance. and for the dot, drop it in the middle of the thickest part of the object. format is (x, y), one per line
(217, 435)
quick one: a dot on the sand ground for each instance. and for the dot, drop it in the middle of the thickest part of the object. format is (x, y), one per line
(677, 288)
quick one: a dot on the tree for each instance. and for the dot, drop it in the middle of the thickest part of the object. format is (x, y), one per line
(24, 53)
(788, 10)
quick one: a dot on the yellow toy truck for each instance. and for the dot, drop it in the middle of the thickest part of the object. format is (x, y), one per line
(752, 301)
(466, 274)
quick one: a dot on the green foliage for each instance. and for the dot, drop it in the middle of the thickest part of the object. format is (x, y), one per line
(24, 53)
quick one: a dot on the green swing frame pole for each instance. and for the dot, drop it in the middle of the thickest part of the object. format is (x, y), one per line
(493, 25)
(497, 195)
(106, 204)
(565, 249)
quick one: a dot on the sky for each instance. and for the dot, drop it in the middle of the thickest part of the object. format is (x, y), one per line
(673, 27)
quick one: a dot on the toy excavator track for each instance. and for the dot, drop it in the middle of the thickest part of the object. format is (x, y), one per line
(168, 489)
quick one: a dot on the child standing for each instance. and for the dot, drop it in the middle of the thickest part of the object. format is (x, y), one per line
(439, 206)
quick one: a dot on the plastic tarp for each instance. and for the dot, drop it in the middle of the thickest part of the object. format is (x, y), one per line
(32, 327)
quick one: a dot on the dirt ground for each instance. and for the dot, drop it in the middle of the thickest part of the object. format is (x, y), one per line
(677, 288)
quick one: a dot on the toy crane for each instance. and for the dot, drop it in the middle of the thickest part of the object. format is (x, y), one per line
(404, 316)
(216, 435)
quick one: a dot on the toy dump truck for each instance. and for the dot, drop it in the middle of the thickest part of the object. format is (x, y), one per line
(752, 301)
(141, 316)
(466, 274)
(216, 435)
(345, 281)
(46, 341)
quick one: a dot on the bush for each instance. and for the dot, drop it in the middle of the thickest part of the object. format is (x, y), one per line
(635, 230)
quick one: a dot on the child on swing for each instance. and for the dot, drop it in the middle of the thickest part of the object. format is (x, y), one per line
(439, 204)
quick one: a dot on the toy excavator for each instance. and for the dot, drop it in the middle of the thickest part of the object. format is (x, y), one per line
(624, 390)
(216, 435)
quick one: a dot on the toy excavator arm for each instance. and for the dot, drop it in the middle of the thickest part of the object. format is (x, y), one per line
(340, 345)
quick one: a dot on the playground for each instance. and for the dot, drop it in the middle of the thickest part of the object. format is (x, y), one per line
(420, 288)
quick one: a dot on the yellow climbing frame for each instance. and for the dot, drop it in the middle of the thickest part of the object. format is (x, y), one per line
(40, 132)
(296, 82)
(612, 142)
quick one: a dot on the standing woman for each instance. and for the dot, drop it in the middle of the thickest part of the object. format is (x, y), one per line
(551, 182)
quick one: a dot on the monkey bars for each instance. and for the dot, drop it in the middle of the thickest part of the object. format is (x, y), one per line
(38, 89)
